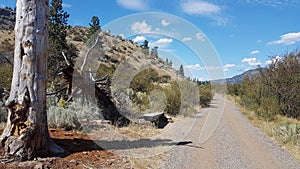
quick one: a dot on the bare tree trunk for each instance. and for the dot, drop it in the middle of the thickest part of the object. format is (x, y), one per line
(26, 133)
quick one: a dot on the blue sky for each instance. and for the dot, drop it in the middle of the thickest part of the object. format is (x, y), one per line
(244, 33)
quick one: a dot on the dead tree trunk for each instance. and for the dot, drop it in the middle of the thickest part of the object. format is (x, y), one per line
(26, 133)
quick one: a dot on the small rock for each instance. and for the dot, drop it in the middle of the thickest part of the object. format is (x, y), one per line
(38, 166)
(73, 161)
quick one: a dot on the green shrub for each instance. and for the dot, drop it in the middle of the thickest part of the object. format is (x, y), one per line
(142, 101)
(104, 70)
(268, 109)
(173, 99)
(143, 81)
(234, 89)
(205, 93)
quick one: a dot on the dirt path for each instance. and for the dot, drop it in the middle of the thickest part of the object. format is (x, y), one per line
(235, 144)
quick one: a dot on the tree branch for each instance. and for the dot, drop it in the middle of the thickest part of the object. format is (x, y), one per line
(68, 63)
(87, 53)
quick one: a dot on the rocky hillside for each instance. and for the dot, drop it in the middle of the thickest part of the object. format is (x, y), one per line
(7, 18)
(110, 50)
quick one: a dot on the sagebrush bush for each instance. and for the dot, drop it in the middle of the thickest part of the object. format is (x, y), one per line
(67, 117)
(287, 133)
(59, 117)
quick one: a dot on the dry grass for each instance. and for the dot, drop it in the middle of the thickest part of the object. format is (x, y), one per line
(7, 34)
(139, 131)
(150, 162)
(2, 125)
(267, 127)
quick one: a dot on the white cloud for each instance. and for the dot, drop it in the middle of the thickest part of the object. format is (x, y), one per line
(272, 3)
(251, 61)
(200, 37)
(254, 52)
(259, 41)
(273, 60)
(210, 68)
(139, 5)
(220, 20)
(66, 5)
(165, 23)
(141, 27)
(287, 39)
(139, 39)
(228, 66)
(186, 39)
(194, 67)
(161, 43)
(194, 7)
(2, 6)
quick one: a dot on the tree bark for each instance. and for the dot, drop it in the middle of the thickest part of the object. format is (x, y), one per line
(26, 133)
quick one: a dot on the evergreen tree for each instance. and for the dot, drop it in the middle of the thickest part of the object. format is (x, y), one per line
(58, 25)
(181, 70)
(94, 26)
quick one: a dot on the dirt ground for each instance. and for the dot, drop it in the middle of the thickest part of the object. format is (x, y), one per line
(82, 152)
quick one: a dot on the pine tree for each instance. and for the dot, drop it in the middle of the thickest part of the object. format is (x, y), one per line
(181, 70)
(58, 25)
(94, 26)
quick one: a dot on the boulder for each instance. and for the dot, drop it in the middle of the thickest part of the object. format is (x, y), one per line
(159, 119)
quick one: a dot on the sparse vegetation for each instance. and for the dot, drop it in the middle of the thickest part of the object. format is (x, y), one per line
(206, 95)
(274, 91)
(271, 100)
(6, 72)
(66, 115)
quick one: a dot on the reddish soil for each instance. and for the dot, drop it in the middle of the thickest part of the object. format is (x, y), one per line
(82, 152)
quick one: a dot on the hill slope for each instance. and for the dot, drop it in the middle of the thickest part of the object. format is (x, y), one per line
(239, 78)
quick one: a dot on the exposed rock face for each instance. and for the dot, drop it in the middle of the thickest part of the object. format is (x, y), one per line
(7, 18)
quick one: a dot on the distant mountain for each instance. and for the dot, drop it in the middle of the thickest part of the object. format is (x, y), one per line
(239, 78)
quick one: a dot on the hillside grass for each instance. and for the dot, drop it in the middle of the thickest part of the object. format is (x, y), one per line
(137, 131)
(283, 131)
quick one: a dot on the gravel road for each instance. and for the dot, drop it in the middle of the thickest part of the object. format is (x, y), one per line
(236, 144)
